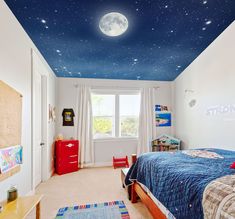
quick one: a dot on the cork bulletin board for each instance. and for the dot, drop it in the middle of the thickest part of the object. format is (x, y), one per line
(10, 120)
(10, 116)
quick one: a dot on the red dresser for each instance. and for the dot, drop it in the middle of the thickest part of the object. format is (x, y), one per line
(66, 156)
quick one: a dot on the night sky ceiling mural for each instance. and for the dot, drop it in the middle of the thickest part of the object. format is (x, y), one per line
(122, 39)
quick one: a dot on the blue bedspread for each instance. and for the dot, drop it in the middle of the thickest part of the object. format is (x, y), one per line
(178, 180)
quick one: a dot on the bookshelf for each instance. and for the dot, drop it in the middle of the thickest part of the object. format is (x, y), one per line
(165, 143)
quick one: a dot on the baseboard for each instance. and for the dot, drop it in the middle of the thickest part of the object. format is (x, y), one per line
(51, 173)
(103, 164)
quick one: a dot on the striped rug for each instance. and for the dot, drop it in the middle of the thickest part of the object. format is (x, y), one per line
(106, 210)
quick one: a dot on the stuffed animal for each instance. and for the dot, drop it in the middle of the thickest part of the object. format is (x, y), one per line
(232, 165)
(59, 137)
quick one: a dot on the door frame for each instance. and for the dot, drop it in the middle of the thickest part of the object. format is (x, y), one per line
(36, 64)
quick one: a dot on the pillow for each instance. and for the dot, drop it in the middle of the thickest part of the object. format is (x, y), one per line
(202, 154)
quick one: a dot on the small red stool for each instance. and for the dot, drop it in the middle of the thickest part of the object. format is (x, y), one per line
(120, 162)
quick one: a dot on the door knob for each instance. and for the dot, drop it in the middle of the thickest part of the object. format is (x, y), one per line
(42, 144)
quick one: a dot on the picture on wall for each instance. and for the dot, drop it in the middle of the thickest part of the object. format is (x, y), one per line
(10, 157)
(163, 119)
(162, 116)
(52, 114)
(160, 108)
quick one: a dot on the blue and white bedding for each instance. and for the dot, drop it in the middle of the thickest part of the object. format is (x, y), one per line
(178, 179)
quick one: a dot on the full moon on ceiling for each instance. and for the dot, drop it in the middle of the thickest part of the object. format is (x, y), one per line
(113, 24)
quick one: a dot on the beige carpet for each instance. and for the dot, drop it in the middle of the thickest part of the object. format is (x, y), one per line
(86, 186)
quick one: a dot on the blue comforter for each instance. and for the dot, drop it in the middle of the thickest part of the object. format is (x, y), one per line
(178, 180)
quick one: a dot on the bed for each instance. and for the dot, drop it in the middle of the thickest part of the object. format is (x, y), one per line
(178, 184)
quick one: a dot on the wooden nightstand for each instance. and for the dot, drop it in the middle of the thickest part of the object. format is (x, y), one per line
(123, 176)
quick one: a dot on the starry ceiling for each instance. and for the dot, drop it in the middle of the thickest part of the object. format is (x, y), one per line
(160, 37)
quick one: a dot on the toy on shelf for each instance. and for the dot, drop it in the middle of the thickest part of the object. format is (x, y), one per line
(165, 143)
(120, 162)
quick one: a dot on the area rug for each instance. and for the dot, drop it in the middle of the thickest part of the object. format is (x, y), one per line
(106, 210)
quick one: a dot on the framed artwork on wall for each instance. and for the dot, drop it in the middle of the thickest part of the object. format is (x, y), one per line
(163, 119)
(162, 116)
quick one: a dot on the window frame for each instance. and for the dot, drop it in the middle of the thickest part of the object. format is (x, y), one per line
(117, 94)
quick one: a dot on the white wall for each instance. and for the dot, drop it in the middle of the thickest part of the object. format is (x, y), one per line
(212, 78)
(15, 70)
(105, 149)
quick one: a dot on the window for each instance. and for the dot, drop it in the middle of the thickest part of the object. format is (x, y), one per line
(129, 115)
(103, 107)
(115, 114)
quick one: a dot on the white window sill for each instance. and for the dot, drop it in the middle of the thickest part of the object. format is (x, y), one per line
(115, 139)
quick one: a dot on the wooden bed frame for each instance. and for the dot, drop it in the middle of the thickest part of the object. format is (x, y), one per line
(137, 190)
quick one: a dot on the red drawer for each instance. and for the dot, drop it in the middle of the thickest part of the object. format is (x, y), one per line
(66, 148)
(69, 167)
(67, 156)
(67, 159)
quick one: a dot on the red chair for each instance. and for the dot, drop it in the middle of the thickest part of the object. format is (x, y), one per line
(120, 162)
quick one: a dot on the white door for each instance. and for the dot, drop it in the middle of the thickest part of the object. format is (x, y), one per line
(37, 128)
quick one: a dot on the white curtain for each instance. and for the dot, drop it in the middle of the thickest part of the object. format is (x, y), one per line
(147, 128)
(83, 128)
